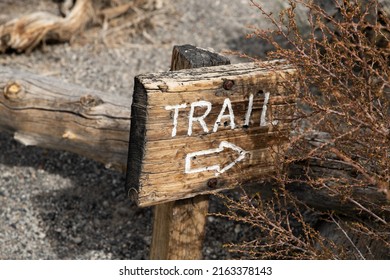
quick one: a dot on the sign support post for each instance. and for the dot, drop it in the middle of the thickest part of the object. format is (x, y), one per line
(179, 226)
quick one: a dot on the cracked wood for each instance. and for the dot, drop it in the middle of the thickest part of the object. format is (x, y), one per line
(43, 111)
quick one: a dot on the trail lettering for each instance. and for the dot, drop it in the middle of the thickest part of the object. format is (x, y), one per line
(222, 116)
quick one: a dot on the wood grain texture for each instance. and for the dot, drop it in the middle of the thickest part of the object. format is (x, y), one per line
(190, 57)
(43, 111)
(179, 226)
(169, 135)
(179, 229)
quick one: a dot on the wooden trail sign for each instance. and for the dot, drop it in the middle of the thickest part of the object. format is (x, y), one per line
(202, 130)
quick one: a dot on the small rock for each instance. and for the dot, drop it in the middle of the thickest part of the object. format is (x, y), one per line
(77, 240)
(237, 229)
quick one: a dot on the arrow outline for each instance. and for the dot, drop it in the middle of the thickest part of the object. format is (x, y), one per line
(217, 168)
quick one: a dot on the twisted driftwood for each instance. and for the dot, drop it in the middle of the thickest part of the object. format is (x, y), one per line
(25, 33)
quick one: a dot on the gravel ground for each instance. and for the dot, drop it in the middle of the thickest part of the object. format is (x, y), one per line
(57, 205)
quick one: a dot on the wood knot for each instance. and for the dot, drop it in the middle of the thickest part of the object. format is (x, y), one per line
(228, 84)
(212, 183)
(69, 135)
(13, 90)
(163, 87)
(89, 101)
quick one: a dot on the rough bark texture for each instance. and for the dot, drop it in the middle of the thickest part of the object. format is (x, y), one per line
(46, 112)
(326, 198)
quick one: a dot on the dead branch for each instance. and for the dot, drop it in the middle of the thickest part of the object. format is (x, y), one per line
(114, 12)
(26, 32)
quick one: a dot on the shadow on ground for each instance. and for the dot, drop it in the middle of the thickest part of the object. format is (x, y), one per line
(93, 218)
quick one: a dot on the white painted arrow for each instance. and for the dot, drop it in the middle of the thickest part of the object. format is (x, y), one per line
(217, 168)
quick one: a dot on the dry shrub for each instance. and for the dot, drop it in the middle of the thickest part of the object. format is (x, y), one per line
(340, 146)
(283, 230)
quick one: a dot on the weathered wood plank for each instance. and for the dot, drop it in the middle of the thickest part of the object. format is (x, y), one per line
(202, 129)
(246, 75)
(44, 111)
(179, 229)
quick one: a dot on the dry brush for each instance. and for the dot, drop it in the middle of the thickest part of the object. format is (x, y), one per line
(337, 168)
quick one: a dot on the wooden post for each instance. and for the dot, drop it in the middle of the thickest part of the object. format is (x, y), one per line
(179, 226)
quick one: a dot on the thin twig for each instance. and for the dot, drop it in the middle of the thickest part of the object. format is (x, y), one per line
(347, 236)
(357, 204)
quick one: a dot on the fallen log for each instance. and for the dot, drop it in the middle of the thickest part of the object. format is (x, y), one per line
(329, 183)
(43, 111)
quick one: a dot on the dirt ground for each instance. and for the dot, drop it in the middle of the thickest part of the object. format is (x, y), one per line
(57, 205)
